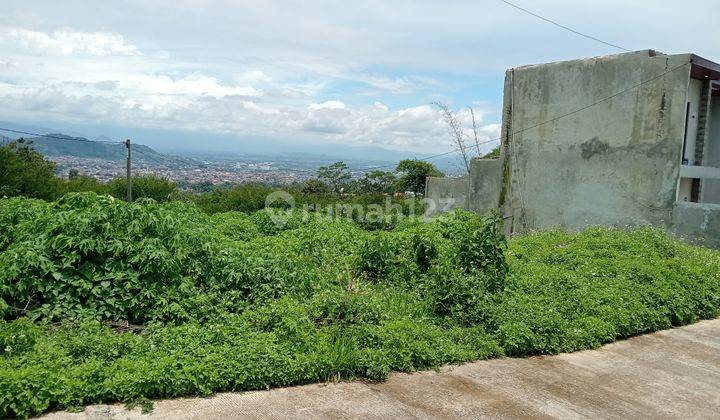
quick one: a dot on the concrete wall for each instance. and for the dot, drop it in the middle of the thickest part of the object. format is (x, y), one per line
(711, 187)
(697, 222)
(594, 142)
(612, 163)
(445, 194)
(485, 184)
(478, 192)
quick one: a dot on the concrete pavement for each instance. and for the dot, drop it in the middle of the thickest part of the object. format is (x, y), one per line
(669, 374)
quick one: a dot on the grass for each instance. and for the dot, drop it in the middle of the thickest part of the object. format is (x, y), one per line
(326, 300)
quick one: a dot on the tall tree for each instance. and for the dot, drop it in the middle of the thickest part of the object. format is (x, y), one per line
(414, 173)
(376, 182)
(336, 175)
(25, 172)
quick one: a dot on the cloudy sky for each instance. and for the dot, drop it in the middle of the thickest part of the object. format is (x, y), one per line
(354, 73)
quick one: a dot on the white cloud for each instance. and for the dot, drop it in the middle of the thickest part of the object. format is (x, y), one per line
(99, 78)
(327, 105)
(252, 76)
(67, 42)
(194, 85)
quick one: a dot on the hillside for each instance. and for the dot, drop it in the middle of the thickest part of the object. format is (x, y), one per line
(56, 144)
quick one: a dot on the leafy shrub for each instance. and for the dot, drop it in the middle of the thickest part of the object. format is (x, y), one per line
(76, 365)
(95, 255)
(145, 186)
(17, 337)
(376, 256)
(479, 243)
(25, 172)
(14, 213)
(457, 295)
(424, 252)
(233, 302)
(573, 291)
(235, 225)
(247, 198)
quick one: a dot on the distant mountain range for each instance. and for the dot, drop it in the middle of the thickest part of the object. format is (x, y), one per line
(58, 144)
(158, 147)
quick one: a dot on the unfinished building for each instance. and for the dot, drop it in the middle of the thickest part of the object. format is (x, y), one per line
(627, 139)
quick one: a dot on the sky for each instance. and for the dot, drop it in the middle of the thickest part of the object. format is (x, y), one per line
(361, 73)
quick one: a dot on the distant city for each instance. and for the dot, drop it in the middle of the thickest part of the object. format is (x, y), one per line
(185, 172)
(104, 160)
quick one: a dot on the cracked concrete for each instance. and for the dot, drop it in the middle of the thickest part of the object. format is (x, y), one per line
(668, 374)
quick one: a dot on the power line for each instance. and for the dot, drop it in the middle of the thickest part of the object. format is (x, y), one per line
(607, 98)
(559, 25)
(58, 137)
(446, 153)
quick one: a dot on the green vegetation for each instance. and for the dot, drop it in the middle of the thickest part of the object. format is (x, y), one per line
(414, 174)
(104, 300)
(375, 182)
(336, 175)
(312, 196)
(24, 172)
(493, 154)
(144, 186)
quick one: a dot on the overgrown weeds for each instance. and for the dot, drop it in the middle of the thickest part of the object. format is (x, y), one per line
(233, 302)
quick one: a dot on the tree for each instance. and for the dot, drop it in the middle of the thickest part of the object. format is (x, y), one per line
(336, 175)
(25, 172)
(414, 173)
(376, 182)
(314, 186)
(493, 154)
(146, 186)
(81, 182)
(73, 174)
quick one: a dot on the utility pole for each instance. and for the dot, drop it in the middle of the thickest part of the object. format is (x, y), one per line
(127, 166)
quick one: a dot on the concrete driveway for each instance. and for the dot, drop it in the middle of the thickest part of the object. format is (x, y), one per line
(669, 374)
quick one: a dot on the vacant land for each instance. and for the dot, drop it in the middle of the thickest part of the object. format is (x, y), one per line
(109, 301)
(668, 374)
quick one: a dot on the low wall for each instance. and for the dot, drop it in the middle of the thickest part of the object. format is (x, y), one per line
(446, 194)
(485, 185)
(697, 222)
(478, 192)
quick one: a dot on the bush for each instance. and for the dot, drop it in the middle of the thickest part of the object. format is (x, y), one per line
(247, 198)
(25, 172)
(146, 186)
(234, 302)
(573, 291)
(235, 225)
(95, 255)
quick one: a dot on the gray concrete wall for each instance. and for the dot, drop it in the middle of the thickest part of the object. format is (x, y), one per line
(445, 194)
(573, 164)
(711, 187)
(697, 222)
(485, 184)
(593, 142)
(478, 192)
